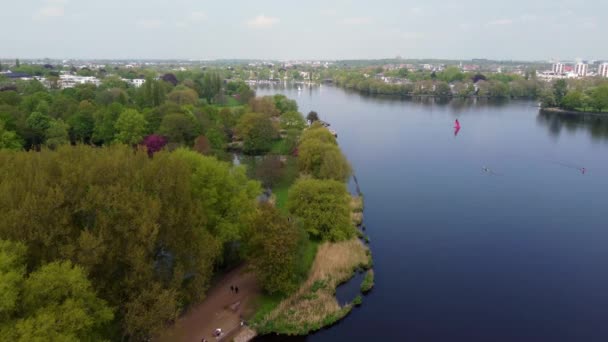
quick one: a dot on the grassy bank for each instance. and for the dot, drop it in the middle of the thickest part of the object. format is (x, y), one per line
(281, 188)
(314, 305)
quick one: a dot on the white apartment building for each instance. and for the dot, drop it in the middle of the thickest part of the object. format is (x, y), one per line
(602, 71)
(136, 82)
(558, 68)
(69, 81)
(581, 69)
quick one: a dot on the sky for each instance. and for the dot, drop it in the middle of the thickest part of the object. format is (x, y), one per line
(311, 29)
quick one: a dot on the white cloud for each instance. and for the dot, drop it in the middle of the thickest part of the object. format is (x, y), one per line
(501, 22)
(51, 9)
(192, 18)
(357, 21)
(262, 21)
(149, 24)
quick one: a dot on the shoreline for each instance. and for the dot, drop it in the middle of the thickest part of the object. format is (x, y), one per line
(566, 112)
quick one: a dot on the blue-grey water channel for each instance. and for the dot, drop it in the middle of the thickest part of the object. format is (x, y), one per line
(494, 234)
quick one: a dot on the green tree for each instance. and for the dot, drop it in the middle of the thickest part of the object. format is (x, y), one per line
(130, 127)
(105, 120)
(272, 250)
(9, 139)
(245, 93)
(560, 89)
(443, 89)
(183, 96)
(82, 125)
(323, 208)
(284, 104)
(599, 98)
(451, 74)
(312, 116)
(264, 105)
(57, 134)
(12, 271)
(179, 128)
(210, 86)
(573, 100)
(55, 302)
(547, 98)
(257, 132)
(322, 160)
(37, 124)
(320, 133)
(292, 120)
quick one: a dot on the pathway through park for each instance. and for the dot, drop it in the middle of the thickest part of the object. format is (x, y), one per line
(222, 308)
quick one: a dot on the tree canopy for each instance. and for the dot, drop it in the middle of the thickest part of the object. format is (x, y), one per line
(323, 208)
(55, 302)
(148, 231)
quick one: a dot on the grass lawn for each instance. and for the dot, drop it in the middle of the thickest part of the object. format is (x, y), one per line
(231, 102)
(281, 188)
(281, 191)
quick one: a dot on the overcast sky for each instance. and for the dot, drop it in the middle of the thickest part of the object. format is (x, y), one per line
(310, 29)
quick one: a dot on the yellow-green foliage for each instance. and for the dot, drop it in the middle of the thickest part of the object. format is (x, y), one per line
(139, 226)
(55, 302)
(273, 250)
(323, 208)
(320, 156)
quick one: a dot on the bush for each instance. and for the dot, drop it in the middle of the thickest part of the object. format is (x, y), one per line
(368, 282)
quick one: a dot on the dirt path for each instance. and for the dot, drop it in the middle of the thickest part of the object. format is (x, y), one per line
(221, 309)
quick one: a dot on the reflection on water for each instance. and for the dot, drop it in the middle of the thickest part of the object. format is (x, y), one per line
(596, 125)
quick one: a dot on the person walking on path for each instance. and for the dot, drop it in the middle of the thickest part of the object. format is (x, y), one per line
(231, 288)
(236, 289)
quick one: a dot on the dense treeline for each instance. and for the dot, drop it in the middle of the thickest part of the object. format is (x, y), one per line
(148, 232)
(448, 83)
(577, 95)
(32, 115)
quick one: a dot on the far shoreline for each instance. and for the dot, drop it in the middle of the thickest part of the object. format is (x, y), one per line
(560, 111)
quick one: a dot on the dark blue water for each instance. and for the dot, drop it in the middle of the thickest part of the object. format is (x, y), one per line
(516, 253)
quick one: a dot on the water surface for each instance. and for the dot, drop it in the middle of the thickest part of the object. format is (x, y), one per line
(515, 253)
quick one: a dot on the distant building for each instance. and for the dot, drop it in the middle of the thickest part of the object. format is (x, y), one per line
(581, 69)
(70, 81)
(558, 68)
(136, 82)
(602, 70)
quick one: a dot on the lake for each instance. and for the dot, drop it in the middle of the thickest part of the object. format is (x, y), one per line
(515, 252)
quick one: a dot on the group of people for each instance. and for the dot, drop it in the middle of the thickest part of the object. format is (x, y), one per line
(218, 332)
